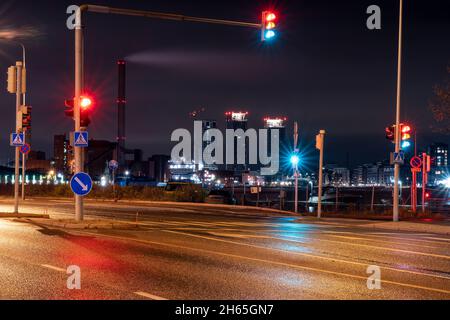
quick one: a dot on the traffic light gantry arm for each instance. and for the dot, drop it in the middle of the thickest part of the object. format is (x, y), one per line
(165, 16)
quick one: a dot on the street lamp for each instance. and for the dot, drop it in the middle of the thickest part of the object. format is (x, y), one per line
(295, 160)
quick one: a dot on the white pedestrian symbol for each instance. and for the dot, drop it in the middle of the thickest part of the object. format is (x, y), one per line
(17, 140)
(81, 140)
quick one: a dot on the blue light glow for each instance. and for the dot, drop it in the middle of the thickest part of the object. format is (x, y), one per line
(270, 34)
(406, 144)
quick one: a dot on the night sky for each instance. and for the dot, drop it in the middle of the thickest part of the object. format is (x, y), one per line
(326, 70)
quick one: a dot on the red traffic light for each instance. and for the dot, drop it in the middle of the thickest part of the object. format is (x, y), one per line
(268, 25)
(406, 129)
(85, 102)
(270, 16)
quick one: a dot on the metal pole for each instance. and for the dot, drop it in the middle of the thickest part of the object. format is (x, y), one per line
(18, 130)
(79, 214)
(296, 190)
(373, 198)
(397, 118)
(319, 199)
(424, 179)
(24, 103)
(337, 199)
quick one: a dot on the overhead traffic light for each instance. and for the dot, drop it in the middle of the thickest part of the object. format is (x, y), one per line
(405, 136)
(26, 118)
(269, 23)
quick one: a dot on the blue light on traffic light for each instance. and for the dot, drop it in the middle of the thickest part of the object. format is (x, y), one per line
(270, 34)
(406, 144)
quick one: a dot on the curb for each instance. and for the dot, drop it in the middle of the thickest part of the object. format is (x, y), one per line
(24, 215)
(80, 226)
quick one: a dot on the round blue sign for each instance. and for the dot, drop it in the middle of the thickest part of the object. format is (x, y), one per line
(25, 149)
(113, 165)
(81, 184)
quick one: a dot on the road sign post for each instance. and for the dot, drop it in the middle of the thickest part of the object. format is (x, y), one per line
(416, 164)
(320, 146)
(113, 166)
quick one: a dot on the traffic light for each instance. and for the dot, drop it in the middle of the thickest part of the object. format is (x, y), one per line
(405, 135)
(269, 20)
(12, 79)
(26, 118)
(85, 109)
(390, 133)
(70, 106)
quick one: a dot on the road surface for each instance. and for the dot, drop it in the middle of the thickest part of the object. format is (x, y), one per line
(204, 252)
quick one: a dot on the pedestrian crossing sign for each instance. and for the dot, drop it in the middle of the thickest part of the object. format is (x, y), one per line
(81, 139)
(399, 157)
(17, 140)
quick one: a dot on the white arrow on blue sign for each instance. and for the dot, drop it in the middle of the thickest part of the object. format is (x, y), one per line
(81, 139)
(17, 140)
(81, 184)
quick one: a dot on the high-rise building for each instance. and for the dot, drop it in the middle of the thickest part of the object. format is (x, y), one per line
(235, 121)
(207, 125)
(276, 126)
(62, 154)
(99, 153)
(439, 162)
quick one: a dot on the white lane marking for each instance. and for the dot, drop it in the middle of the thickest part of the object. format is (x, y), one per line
(383, 241)
(305, 254)
(53, 268)
(294, 266)
(443, 239)
(148, 295)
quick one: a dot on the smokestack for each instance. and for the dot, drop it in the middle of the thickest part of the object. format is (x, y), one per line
(121, 102)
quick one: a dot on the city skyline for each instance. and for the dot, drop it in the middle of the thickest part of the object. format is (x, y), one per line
(352, 90)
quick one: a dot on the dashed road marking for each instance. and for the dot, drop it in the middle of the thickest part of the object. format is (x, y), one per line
(53, 268)
(148, 295)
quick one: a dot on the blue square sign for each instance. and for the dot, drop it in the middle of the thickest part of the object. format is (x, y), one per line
(17, 140)
(81, 139)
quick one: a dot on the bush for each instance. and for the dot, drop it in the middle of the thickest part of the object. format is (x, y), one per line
(189, 193)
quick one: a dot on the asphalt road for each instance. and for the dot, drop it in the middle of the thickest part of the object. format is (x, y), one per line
(204, 252)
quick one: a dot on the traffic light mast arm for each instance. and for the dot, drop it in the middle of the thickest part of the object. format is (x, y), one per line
(165, 16)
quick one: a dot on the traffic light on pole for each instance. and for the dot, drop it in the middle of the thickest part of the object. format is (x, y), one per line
(405, 131)
(26, 118)
(85, 110)
(390, 133)
(269, 20)
(12, 79)
(70, 106)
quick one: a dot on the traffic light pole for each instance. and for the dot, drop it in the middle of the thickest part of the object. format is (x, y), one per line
(23, 103)
(79, 214)
(18, 130)
(319, 196)
(79, 210)
(397, 118)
